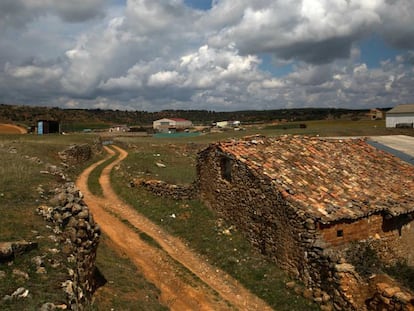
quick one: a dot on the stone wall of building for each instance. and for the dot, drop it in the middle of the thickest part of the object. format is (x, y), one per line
(79, 235)
(311, 252)
(250, 202)
(394, 236)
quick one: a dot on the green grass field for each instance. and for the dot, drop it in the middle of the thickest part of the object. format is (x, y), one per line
(23, 157)
(22, 186)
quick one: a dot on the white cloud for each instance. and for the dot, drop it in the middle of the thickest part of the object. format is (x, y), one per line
(312, 30)
(38, 74)
(162, 54)
(164, 78)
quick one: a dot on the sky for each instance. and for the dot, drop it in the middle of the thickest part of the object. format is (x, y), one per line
(221, 55)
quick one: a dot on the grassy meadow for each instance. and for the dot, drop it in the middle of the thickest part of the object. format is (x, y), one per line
(23, 187)
(198, 225)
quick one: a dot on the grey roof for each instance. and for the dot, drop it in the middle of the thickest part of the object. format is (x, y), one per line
(407, 108)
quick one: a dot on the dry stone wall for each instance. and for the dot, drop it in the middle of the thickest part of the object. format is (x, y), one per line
(79, 235)
(163, 189)
(76, 154)
(80, 153)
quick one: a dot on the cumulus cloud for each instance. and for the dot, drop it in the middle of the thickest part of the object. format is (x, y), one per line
(316, 31)
(164, 55)
(397, 23)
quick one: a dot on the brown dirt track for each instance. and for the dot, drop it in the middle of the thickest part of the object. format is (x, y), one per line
(12, 129)
(213, 289)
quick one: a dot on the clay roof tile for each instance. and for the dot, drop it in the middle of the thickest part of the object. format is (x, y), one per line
(324, 175)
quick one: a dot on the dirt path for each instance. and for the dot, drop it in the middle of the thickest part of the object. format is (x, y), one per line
(164, 267)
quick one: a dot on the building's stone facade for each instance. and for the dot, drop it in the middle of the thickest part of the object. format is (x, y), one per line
(273, 228)
(393, 237)
(310, 247)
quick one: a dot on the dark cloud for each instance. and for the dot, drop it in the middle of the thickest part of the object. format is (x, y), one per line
(322, 52)
(76, 11)
(397, 23)
(15, 14)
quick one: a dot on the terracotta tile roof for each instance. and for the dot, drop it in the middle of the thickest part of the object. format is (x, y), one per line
(330, 179)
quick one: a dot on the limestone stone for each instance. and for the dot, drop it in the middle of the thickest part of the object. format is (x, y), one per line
(325, 297)
(48, 306)
(326, 308)
(291, 284)
(390, 291)
(41, 270)
(344, 267)
(38, 261)
(308, 294)
(310, 224)
(403, 297)
(6, 250)
(19, 273)
(84, 214)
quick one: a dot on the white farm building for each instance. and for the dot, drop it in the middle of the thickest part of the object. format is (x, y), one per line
(400, 116)
(171, 125)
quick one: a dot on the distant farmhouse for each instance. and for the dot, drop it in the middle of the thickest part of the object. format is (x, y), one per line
(171, 125)
(119, 128)
(400, 116)
(376, 114)
(304, 202)
(227, 124)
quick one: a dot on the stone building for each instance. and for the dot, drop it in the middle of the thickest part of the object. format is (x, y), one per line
(376, 114)
(303, 200)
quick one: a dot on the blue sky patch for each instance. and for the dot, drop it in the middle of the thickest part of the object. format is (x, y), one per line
(199, 4)
(374, 50)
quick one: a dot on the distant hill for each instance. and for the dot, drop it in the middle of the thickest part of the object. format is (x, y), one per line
(28, 115)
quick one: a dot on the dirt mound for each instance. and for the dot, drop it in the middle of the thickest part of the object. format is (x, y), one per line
(12, 129)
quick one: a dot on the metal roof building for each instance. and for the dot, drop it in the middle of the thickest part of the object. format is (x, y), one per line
(400, 116)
